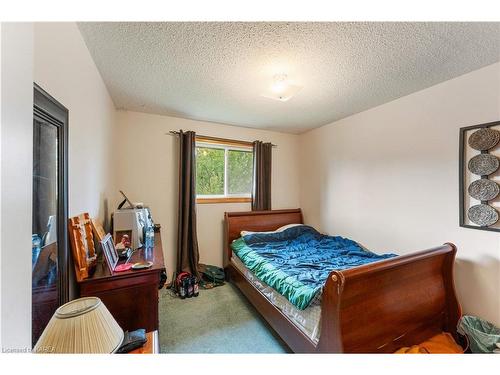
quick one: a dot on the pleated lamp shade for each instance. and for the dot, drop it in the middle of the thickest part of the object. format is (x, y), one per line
(84, 325)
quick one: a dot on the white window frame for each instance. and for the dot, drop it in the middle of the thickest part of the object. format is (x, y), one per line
(226, 149)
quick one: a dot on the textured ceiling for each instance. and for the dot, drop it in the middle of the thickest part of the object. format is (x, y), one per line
(217, 71)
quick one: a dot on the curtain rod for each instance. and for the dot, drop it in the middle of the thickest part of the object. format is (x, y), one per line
(176, 133)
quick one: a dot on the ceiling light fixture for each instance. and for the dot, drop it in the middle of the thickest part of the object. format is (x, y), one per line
(281, 89)
(280, 83)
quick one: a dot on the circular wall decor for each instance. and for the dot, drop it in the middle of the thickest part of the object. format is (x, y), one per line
(484, 190)
(483, 215)
(483, 164)
(484, 139)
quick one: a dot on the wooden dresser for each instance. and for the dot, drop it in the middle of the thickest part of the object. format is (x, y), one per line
(130, 296)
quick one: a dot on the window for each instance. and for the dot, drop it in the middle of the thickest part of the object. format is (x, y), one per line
(224, 173)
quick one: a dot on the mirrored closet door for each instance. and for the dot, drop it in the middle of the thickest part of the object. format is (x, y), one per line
(49, 260)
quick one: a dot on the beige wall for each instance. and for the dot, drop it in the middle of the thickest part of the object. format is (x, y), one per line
(16, 181)
(147, 170)
(64, 68)
(388, 178)
(53, 55)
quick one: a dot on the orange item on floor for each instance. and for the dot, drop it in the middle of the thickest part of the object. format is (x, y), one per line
(439, 344)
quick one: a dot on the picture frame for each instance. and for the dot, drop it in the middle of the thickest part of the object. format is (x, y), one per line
(466, 177)
(98, 229)
(110, 253)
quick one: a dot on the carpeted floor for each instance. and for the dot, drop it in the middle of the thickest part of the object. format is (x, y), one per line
(219, 320)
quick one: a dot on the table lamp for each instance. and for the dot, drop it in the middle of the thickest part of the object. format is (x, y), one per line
(83, 325)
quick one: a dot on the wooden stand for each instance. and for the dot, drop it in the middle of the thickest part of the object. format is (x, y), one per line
(81, 239)
(130, 296)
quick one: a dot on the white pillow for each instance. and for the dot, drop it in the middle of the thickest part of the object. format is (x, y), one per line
(280, 229)
(285, 227)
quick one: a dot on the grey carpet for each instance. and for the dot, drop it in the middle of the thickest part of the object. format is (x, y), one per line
(219, 320)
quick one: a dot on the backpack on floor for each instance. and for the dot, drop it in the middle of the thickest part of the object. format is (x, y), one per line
(212, 276)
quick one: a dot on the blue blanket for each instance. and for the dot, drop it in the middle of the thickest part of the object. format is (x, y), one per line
(297, 261)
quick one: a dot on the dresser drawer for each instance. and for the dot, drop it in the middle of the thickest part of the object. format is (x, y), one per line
(97, 286)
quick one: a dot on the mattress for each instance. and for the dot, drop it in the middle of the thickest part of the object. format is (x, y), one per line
(297, 261)
(307, 320)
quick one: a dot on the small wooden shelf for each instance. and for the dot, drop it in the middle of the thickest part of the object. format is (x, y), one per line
(152, 346)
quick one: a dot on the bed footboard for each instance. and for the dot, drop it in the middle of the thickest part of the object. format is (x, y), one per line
(383, 306)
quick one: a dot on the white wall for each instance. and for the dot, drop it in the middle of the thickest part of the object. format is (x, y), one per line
(64, 68)
(388, 178)
(147, 171)
(16, 183)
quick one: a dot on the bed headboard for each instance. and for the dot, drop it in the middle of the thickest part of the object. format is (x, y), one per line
(258, 221)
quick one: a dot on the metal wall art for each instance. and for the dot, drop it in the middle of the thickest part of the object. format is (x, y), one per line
(480, 177)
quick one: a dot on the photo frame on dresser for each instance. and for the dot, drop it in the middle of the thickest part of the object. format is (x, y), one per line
(479, 176)
(110, 253)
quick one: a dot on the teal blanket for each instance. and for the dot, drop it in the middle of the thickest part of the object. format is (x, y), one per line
(297, 261)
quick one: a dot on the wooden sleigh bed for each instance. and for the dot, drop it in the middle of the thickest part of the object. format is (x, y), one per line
(374, 308)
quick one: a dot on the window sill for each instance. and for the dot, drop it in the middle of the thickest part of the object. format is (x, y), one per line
(223, 200)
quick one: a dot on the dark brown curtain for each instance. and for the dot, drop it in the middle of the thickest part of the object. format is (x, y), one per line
(262, 160)
(187, 241)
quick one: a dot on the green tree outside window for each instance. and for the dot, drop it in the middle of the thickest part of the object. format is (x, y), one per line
(214, 177)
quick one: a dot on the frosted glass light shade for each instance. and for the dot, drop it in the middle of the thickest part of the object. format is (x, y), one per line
(281, 89)
(84, 325)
